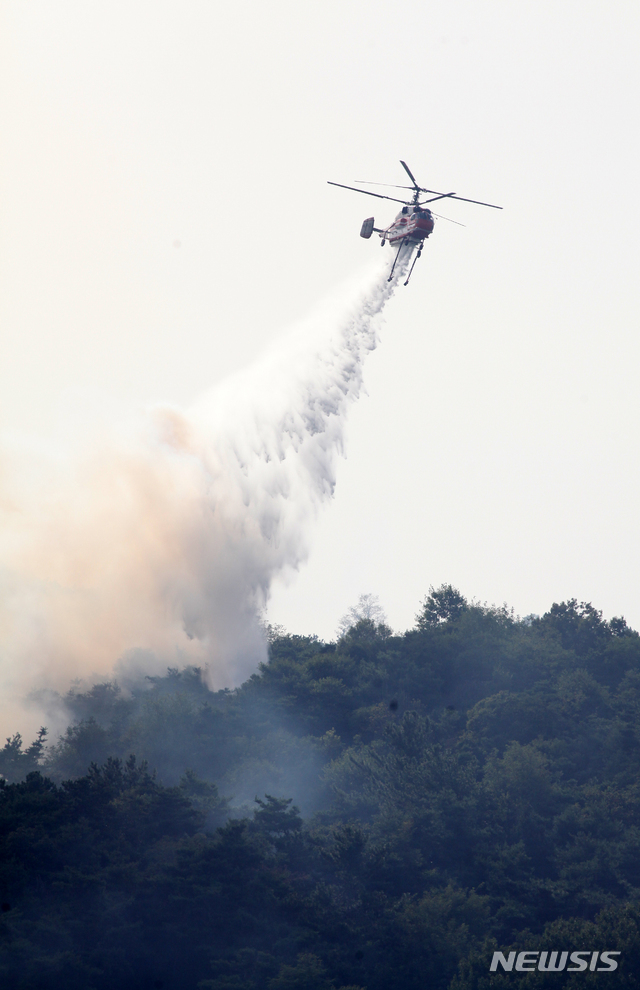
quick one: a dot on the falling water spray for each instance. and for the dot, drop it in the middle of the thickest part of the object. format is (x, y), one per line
(158, 546)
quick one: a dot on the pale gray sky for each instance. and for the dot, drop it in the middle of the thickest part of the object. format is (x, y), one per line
(165, 215)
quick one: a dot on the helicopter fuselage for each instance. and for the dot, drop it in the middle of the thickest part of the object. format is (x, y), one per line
(412, 224)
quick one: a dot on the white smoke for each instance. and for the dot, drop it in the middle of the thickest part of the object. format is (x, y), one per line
(158, 545)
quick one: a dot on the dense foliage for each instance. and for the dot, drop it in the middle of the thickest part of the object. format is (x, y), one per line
(469, 786)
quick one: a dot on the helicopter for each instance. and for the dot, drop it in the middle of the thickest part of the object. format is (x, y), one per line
(413, 223)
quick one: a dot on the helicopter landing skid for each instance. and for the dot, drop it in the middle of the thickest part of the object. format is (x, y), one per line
(395, 260)
(414, 262)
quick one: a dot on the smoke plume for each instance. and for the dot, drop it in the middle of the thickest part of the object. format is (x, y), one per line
(157, 545)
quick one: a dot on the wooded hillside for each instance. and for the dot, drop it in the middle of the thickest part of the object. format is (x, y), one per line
(421, 801)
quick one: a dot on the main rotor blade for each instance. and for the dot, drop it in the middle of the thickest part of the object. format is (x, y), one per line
(391, 185)
(440, 217)
(367, 193)
(409, 173)
(477, 201)
(441, 196)
(461, 198)
(434, 191)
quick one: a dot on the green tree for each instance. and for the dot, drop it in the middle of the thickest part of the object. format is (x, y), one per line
(444, 604)
(16, 762)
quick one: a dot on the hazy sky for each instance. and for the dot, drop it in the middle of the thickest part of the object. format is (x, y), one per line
(165, 216)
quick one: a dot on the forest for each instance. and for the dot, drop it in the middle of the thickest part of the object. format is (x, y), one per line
(382, 812)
